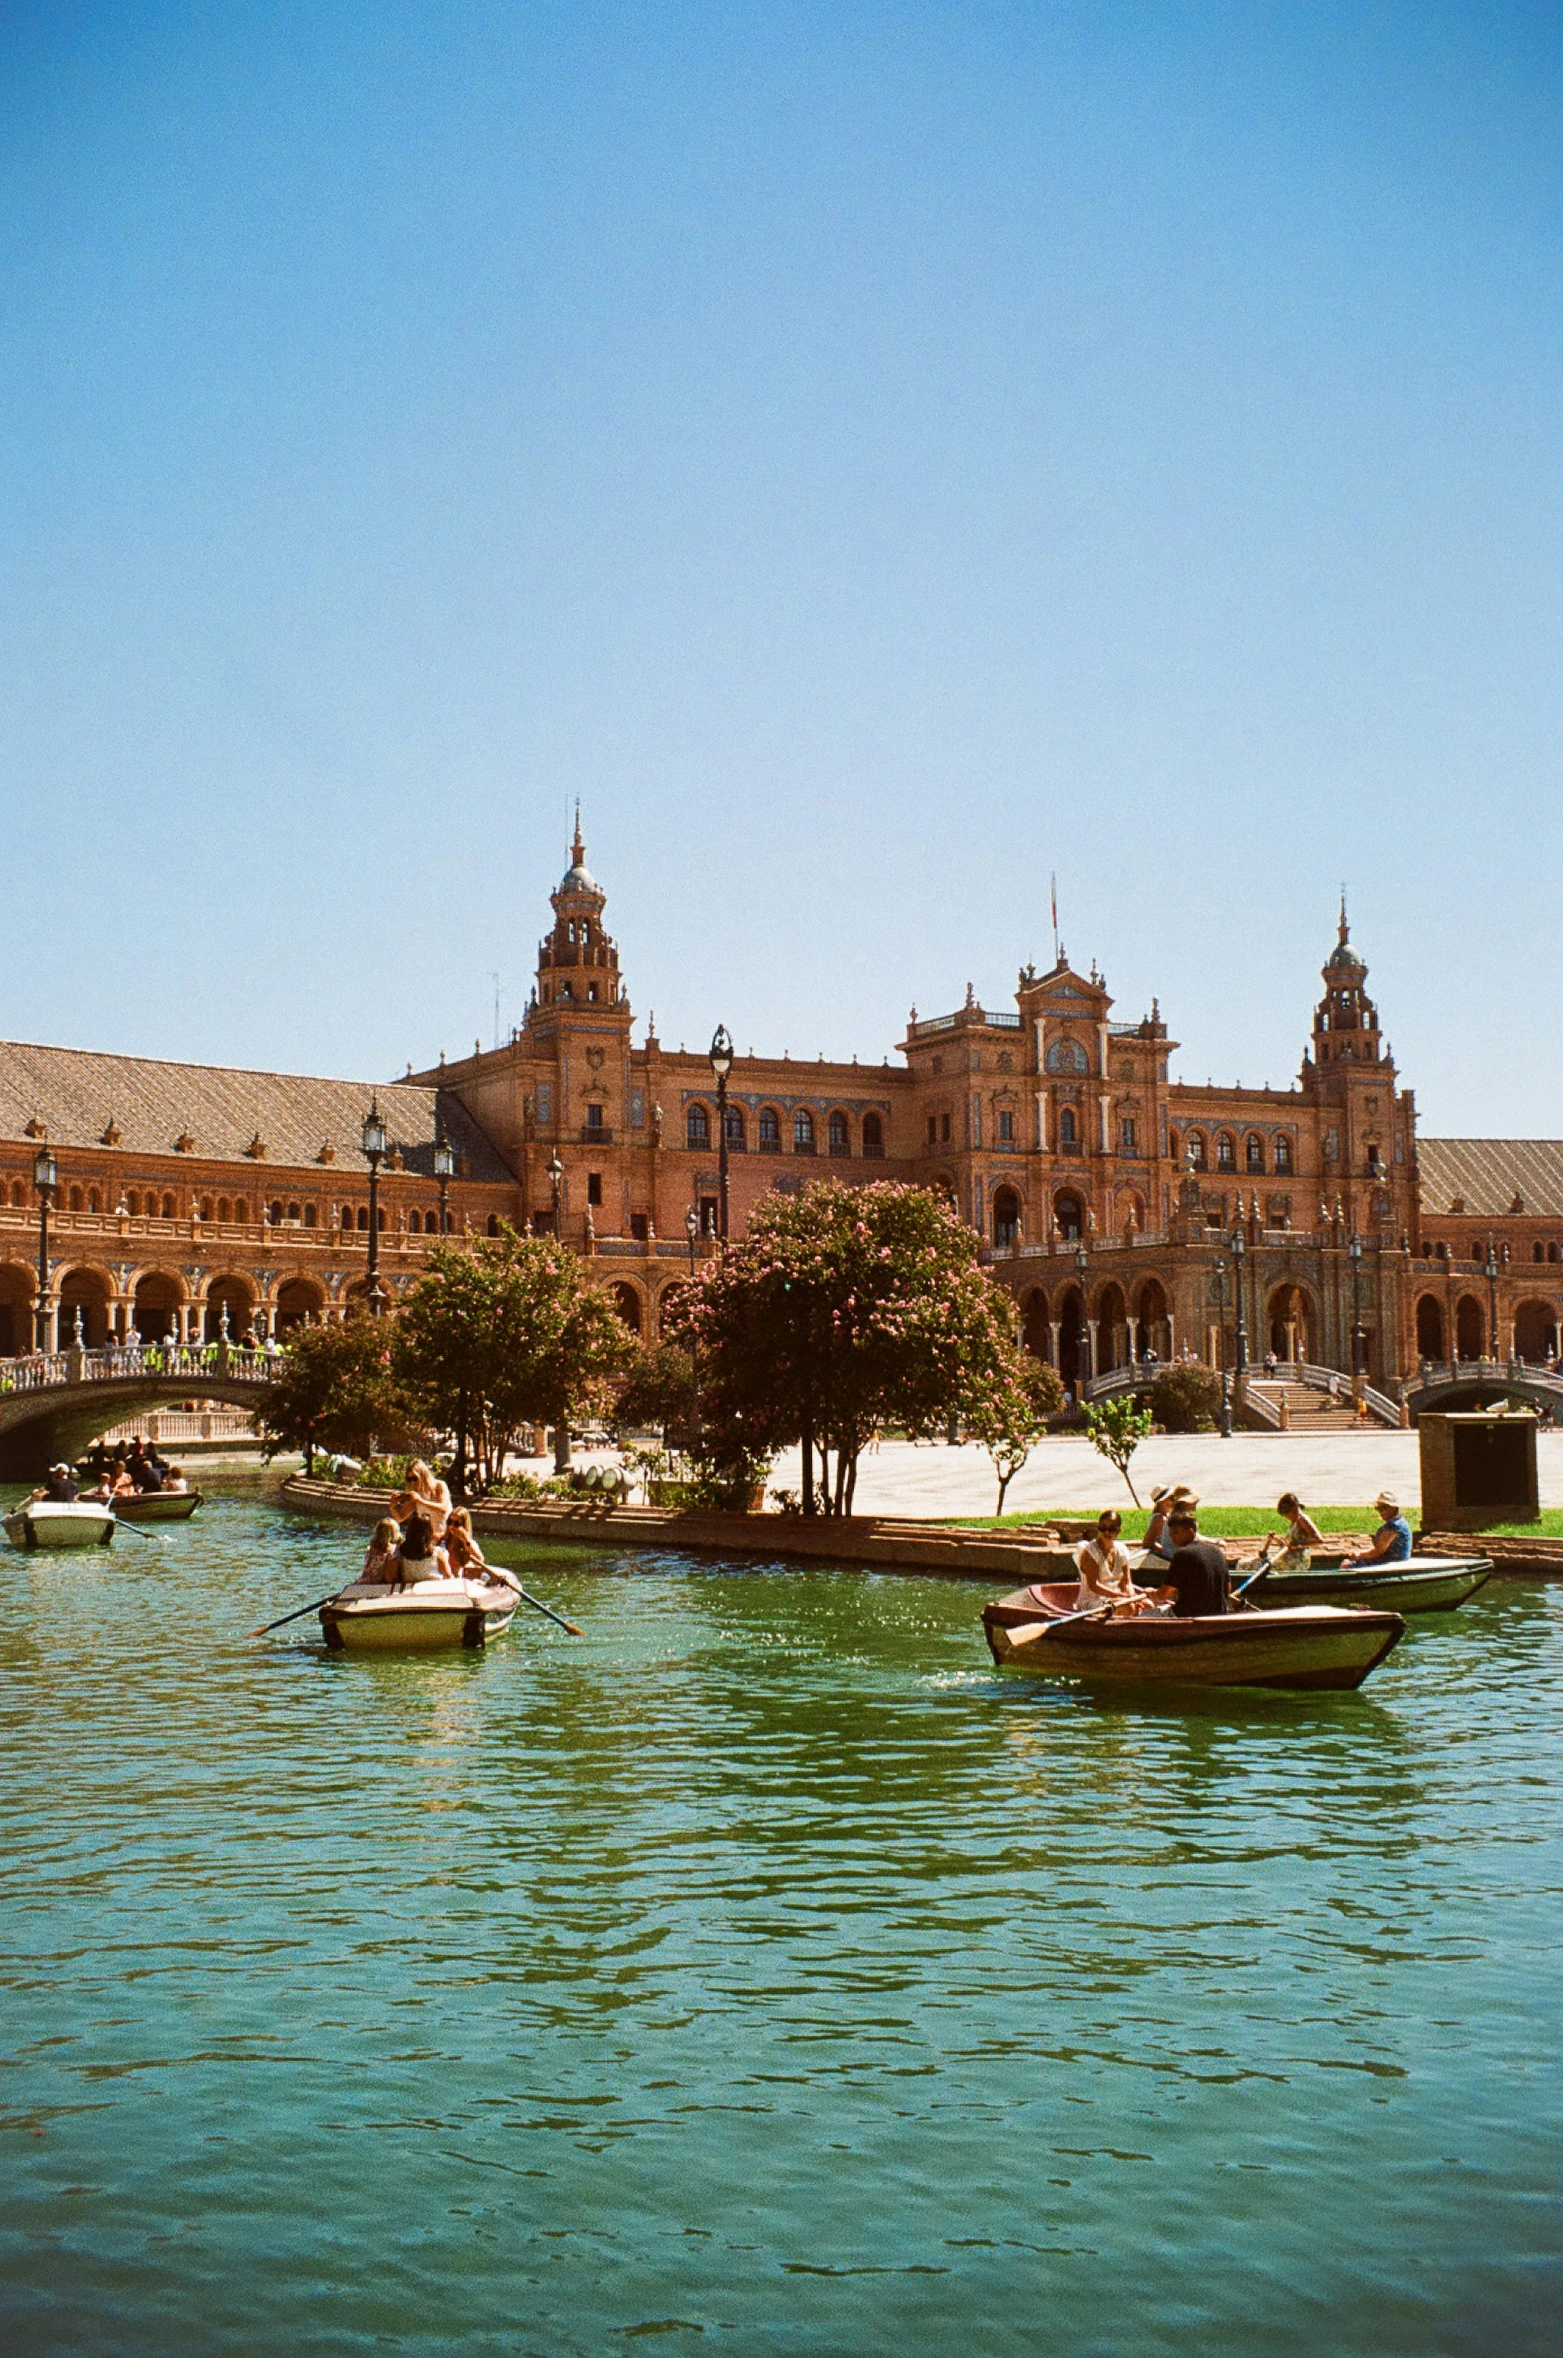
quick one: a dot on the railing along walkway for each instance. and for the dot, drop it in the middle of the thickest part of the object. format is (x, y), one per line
(44, 1371)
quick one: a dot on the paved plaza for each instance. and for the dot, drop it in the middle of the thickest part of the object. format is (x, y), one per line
(1065, 1475)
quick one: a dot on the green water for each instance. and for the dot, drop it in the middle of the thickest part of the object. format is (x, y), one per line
(760, 1973)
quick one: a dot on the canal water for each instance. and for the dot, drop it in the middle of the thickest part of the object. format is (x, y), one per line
(762, 1973)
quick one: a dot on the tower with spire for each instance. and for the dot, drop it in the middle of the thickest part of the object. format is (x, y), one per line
(578, 961)
(1366, 1125)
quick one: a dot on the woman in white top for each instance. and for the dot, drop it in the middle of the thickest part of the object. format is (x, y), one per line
(1103, 1565)
(424, 1495)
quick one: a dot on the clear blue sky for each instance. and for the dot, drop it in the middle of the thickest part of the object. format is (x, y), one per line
(875, 456)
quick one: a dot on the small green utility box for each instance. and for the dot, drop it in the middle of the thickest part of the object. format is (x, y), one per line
(1478, 1470)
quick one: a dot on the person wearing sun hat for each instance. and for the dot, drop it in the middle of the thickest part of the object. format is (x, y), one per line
(1392, 1539)
(1164, 1497)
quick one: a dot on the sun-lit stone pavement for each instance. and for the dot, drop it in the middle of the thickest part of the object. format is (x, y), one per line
(1066, 1475)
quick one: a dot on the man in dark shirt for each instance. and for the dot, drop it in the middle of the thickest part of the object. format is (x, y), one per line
(59, 1485)
(1198, 1570)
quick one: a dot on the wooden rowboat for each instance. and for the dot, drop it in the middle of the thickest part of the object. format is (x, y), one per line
(425, 1617)
(52, 1522)
(1418, 1584)
(1299, 1646)
(158, 1506)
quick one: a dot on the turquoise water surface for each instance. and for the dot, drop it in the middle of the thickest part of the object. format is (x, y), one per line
(761, 1973)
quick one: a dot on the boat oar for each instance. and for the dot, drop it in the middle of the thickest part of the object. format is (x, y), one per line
(1258, 1573)
(120, 1524)
(510, 1581)
(1087, 1613)
(268, 1626)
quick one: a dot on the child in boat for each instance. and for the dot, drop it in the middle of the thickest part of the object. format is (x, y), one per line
(1302, 1531)
(1103, 1565)
(174, 1479)
(380, 1555)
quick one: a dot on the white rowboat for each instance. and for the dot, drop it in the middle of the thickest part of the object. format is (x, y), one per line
(426, 1616)
(55, 1522)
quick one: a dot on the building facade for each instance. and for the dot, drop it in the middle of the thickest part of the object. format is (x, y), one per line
(1126, 1211)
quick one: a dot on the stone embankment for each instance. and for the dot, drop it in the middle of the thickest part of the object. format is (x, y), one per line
(892, 1543)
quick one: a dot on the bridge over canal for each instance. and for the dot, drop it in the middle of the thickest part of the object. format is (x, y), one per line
(53, 1403)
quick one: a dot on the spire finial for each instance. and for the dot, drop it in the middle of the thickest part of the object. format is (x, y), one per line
(1343, 926)
(578, 848)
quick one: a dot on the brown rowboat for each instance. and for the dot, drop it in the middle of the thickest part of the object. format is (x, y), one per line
(1301, 1646)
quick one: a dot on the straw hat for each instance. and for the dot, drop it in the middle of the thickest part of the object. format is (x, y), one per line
(1168, 1494)
(1387, 1498)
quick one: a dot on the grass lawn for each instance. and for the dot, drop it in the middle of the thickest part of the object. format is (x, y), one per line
(1244, 1522)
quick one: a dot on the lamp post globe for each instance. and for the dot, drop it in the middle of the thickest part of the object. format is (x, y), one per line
(1354, 1259)
(721, 1054)
(374, 1141)
(444, 1172)
(556, 1182)
(46, 1178)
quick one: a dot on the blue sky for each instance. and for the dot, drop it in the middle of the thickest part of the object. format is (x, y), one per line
(874, 456)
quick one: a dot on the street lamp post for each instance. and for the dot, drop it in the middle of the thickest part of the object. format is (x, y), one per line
(1083, 1272)
(721, 1066)
(1239, 1263)
(374, 1143)
(556, 1182)
(1354, 1257)
(1220, 1274)
(46, 1178)
(1490, 1272)
(444, 1172)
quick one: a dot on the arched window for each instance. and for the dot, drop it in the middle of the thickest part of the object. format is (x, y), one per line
(18, 1198)
(415, 1223)
(1283, 1157)
(363, 1216)
(1254, 1152)
(836, 1131)
(1226, 1153)
(224, 1208)
(75, 1199)
(379, 1218)
(241, 1210)
(697, 1129)
(168, 1208)
(737, 1133)
(293, 1211)
(770, 1130)
(803, 1131)
(95, 1202)
(1068, 1127)
(1537, 1253)
(1197, 1150)
(206, 1207)
(1067, 1056)
(493, 1224)
(133, 1202)
(309, 1215)
(873, 1134)
(1552, 1252)
(1006, 1216)
(276, 1215)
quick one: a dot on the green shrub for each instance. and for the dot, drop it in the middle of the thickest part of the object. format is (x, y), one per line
(1186, 1399)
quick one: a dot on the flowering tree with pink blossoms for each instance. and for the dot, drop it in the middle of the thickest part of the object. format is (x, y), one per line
(844, 1309)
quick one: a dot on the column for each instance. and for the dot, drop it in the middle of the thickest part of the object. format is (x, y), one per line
(1091, 1325)
(1172, 1335)
(1052, 1342)
(1134, 1342)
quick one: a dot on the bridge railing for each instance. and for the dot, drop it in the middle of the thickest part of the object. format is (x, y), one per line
(38, 1371)
(1439, 1374)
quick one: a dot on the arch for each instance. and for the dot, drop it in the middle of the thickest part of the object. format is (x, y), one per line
(1130, 1214)
(1197, 1157)
(1283, 1157)
(16, 1309)
(1112, 1328)
(697, 1128)
(803, 1141)
(415, 1223)
(770, 1130)
(18, 1195)
(224, 1208)
(1033, 1322)
(1254, 1153)
(1068, 1126)
(873, 1134)
(1151, 1310)
(737, 1130)
(1006, 1216)
(1535, 1331)
(155, 1306)
(133, 1203)
(362, 1217)
(274, 1213)
(1068, 1214)
(492, 1228)
(1226, 1152)
(1429, 1327)
(75, 1204)
(1066, 1056)
(311, 1214)
(90, 1291)
(241, 1209)
(237, 1296)
(94, 1200)
(1071, 1336)
(1470, 1328)
(299, 1300)
(626, 1300)
(170, 1210)
(838, 1135)
(1290, 1323)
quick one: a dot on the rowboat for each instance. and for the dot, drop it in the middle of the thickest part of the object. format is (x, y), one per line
(1418, 1584)
(54, 1522)
(371, 1617)
(1297, 1646)
(158, 1506)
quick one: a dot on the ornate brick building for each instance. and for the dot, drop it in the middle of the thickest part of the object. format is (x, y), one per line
(1109, 1197)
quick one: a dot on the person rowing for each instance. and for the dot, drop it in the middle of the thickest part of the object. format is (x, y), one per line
(467, 1560)
(1302, 1531)
(1392, 1539)
(1196, 1581)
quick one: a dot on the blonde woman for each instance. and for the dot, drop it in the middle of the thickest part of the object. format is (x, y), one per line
(425, 1494)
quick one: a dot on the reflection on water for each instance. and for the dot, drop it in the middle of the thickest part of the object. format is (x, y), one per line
(761, 1972)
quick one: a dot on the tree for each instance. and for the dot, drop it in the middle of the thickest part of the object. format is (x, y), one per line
(504, 1332)
(656, 1389)
(1185, 1398)
(842, 1310)
(1012, 1412)
(332, 1389)
(1117, 1427)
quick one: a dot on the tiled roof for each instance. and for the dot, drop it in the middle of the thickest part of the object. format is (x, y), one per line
(1486, 1174)
(81, 1098)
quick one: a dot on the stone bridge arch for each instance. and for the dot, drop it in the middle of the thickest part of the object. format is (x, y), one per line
(58, 1420)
